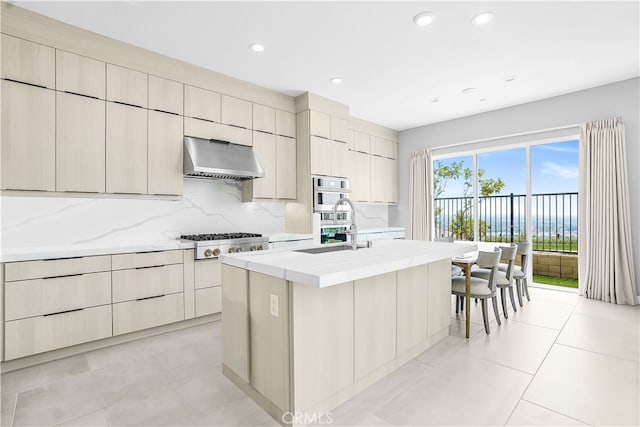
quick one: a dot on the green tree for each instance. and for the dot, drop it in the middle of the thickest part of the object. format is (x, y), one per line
(461, 225)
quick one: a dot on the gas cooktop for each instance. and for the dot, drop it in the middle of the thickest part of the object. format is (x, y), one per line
(212, 245)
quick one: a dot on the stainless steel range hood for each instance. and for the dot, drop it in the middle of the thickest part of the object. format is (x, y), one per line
(213, 159)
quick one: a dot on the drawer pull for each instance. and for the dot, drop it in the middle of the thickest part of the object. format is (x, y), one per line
(63, 312)
(65, 275)
(156, 296)
(149, 266)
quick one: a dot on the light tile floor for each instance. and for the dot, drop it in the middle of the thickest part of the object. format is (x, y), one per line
(559, 360)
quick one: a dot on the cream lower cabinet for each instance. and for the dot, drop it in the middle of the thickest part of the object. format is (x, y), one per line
(164, 154)
(208, 287)
(28, 151)
(56, 303)
(149, 294)
(126, 149)
(80, 143)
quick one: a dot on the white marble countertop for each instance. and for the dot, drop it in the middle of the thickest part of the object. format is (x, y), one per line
(332, 268)
(289, 237)
(71, 251)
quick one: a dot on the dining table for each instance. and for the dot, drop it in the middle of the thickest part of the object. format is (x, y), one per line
(466, 263)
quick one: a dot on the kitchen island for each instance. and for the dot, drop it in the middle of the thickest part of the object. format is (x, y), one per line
(304, 332)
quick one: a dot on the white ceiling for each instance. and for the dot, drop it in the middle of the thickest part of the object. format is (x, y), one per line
(390, 67)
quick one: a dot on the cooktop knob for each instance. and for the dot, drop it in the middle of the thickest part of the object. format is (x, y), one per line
(216, 252)
(208, 253)
(253, 248)
(232, 250)
(238, 249)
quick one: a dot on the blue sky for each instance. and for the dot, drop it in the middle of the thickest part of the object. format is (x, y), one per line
(554, 169)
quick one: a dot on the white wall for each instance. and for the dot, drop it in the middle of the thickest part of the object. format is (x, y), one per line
(616, 99)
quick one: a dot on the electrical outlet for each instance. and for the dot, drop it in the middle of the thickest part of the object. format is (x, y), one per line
(274, 305)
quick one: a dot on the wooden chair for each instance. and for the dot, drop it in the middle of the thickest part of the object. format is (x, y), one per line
(481, 288)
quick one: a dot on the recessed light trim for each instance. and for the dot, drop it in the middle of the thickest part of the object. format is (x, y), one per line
(483, 99)
(469, 90)
(509, 79)
(335, 80)
(256, 47)
(434, 99)
(482, 18)
(423, 19)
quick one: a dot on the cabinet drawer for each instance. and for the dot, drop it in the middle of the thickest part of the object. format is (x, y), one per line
(236, 112)
(165, 95)
(319, 124)
(147, 282)
(44, 333)
(211, 130)
(208, 301)
(285, 123)
(264, 118)
(207, 273)
(28, 62)
(146, 259)
(127, 86)
(135, 315)
(80, 75)
(201, 104)
(37, 297)
(55, 267)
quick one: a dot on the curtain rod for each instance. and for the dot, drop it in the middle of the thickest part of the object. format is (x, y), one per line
(513, 135)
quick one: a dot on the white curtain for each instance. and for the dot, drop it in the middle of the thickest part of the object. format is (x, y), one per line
(421, 196)
(605, 261)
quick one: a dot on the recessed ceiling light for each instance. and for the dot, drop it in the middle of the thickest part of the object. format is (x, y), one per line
(256, 47)
(483, 99)
(434, 99)
(423, 18)
(509, 79)
(335, 80)
(468, 90)
(482, 18)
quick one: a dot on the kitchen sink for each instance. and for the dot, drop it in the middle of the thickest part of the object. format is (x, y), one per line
(325, 249)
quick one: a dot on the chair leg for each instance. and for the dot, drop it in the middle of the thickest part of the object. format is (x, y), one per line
(503, 299)
(494, 301)
(485, 316)
(457, 303)
(519, 291)
(461, 303)
(476, 300)
(513, 301)
(526, 288)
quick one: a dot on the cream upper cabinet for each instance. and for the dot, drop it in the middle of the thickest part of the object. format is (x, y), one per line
(27, 62)
(384, 147)
(319, 124)
(211, 130)
(81, 75)
(285, 123)
(237, 112)
(264, 118)
(201, 104)
(340, 165)
(361, 177)
(28, 152)
(264, 146)
(80, 143)
(164, 154)
(126, 149)
(127, 86)
(286, 172)
(392, 180)
(378, 175)
(320, 156)
(361, 142)
(165, 95)
(339, 129)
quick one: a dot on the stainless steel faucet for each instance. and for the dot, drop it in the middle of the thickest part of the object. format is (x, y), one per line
(353, 229)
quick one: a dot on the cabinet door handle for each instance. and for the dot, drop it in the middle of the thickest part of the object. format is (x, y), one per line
(63, 312)
(155, 296)
(64, 275)
(150, 266)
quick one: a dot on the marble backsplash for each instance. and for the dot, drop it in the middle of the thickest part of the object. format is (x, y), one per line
(207, 206)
